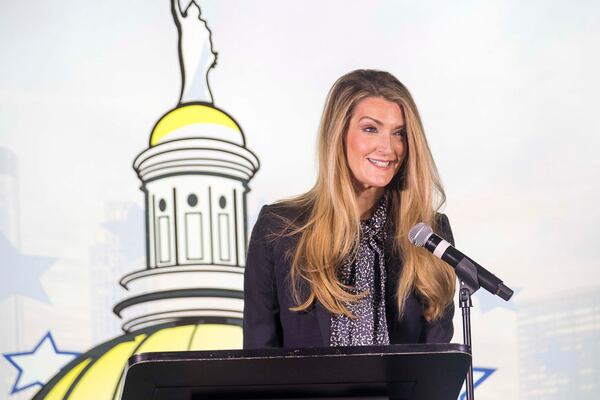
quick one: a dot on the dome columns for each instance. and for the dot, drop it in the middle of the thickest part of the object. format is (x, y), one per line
(195, 180)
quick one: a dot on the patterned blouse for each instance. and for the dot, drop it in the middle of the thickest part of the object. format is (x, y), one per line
(366, 273)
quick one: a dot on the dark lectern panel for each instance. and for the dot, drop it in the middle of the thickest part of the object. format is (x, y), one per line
(327, 391)
(399, 372)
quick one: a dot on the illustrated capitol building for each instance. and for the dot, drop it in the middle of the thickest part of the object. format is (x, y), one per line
(195, 176)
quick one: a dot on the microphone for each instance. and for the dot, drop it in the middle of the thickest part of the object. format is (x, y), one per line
(422, 235)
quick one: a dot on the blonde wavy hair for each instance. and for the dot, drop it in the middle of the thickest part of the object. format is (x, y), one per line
(330, 228)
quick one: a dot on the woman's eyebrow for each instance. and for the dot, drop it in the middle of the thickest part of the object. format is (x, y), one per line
(378, 122)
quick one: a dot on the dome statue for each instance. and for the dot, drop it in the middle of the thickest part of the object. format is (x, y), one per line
(196, 54)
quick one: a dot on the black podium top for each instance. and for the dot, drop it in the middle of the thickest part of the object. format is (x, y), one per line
(417, 371)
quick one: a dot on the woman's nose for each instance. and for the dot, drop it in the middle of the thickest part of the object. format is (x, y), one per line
(385, 143)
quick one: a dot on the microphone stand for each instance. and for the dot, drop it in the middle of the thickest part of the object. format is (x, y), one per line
(468, 273)
(469, 284)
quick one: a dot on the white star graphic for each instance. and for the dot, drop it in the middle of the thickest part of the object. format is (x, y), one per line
(36, 367)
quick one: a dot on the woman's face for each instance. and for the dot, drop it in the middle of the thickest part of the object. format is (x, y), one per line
(375, 142)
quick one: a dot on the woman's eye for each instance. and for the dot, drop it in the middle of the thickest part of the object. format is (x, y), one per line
(370, 129)
(400, 133)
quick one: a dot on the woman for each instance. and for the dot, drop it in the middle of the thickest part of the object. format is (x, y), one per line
(334, 267)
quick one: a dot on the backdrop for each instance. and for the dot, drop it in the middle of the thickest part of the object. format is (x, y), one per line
(101, 99)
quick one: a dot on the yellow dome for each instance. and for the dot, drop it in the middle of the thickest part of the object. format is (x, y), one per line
(196, 121)
(97, 373)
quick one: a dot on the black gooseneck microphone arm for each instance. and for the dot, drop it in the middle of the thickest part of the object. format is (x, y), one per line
(452, 256)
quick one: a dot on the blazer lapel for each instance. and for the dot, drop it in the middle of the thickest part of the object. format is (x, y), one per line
(324, 318)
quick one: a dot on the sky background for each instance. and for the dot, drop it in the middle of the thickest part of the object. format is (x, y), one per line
(507, 91)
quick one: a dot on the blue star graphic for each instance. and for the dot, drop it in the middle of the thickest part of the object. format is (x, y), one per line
(21, 273)
(479, 376)
(489, 302)
(130, 233)
(37, 367)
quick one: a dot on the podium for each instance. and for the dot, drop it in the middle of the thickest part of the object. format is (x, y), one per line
(395, 372)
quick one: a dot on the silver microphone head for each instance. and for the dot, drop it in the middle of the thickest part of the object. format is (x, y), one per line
(419, 234)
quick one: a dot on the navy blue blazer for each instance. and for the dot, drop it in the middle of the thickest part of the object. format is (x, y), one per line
(268, 321)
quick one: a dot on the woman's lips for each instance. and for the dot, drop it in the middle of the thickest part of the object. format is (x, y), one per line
(381, 164)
